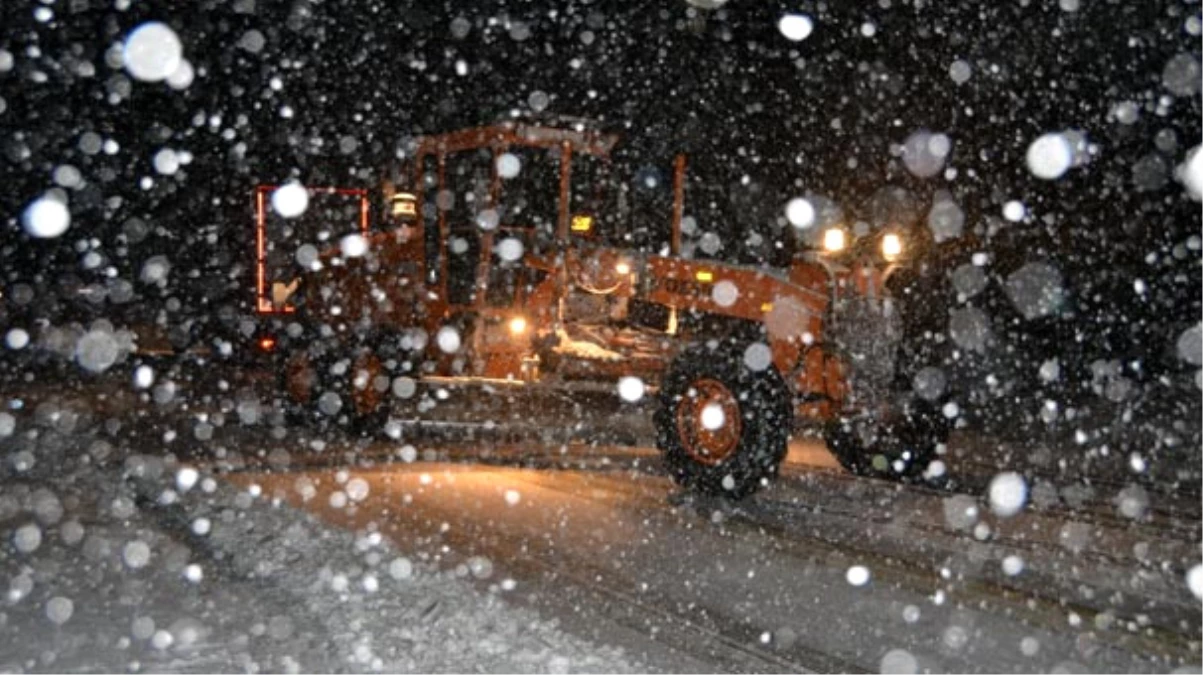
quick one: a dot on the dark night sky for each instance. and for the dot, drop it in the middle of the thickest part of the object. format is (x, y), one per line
(814, 116)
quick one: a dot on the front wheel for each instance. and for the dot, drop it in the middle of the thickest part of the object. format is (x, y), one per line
(899, 442)
(722, 427)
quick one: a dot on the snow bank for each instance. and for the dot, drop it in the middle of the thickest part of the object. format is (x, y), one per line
(137, 563)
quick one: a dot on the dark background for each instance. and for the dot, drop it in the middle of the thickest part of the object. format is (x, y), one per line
(764, 119)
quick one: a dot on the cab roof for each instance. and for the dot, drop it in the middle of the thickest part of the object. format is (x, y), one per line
(579, 134)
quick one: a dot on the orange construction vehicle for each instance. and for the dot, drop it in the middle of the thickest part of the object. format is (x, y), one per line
(500, 257)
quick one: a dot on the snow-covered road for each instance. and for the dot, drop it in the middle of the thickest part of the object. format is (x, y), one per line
(517, 545)
(149, 565)
(774, 584)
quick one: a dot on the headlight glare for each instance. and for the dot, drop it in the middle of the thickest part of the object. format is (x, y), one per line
(891, 246)
(834, 240)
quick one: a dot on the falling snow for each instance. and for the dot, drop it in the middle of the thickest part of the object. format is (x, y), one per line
(992, 437)
(97, 351)
(795, 27)
(725, 293)
(1190, 173)
(353, 246)
(152, 52)
(713, 417)
(290, 200)
(960, 71)
(46, 218)
(1014, 211)
(631, 389)
(925, 153)
(1049, 157)
(857, 575)
(800, 213)
(1008, 492)
(508, 165)
(59, 610)
(758, 356)
(448, 339)
(16, 338)
(510, 249)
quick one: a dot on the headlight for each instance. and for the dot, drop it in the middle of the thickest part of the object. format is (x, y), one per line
(623, 268)
(517, 325)
(891, 246)
(834, 240)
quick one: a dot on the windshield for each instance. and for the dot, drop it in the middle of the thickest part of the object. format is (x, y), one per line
(687, 336)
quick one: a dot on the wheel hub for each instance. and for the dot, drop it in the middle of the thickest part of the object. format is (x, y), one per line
(708, 422)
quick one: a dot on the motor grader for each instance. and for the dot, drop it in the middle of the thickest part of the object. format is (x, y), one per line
(502, 255)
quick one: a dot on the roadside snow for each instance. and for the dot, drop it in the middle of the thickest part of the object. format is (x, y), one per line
(131, 573)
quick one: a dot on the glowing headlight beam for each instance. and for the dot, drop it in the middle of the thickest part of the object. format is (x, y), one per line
(891, 246)
(834, 240)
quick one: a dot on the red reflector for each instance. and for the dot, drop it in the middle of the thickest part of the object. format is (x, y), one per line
(267, 344)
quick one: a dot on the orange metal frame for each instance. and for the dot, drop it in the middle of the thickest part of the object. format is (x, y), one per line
(263, 303)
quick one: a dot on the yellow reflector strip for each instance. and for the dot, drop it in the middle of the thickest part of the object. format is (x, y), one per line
(766, 307)
(705, 275)
(582, 223)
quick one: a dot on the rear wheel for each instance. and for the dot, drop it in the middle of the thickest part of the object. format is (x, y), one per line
(722, 427)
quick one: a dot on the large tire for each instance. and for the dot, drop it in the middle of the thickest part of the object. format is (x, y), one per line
(732, 452)
(898, 444)
(888, 432)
